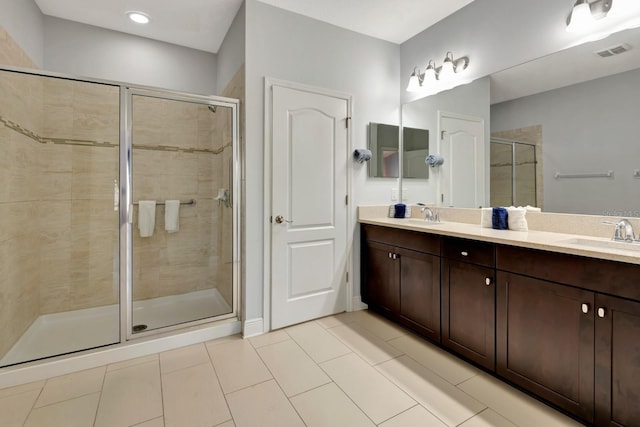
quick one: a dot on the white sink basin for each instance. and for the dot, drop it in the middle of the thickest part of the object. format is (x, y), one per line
(603, 244)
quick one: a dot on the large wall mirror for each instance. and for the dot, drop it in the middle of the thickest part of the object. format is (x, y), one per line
(564, 130)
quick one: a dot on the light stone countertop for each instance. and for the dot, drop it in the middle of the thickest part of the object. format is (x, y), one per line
(543, 240)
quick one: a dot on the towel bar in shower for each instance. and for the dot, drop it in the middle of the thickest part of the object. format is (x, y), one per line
(607, 174)
(187, 202)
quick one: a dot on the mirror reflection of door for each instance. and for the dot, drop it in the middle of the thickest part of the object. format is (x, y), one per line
(415, 149)
(462, 146)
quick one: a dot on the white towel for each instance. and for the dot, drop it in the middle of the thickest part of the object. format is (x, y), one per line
(146, 217)
(532, 209)
(172, 215)
(517, 220)
(486, 217)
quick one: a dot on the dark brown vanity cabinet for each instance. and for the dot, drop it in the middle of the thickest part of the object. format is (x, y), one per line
(401, 277)
(617, 358)
(468, 300)
(561, 337)
(564, 327)
(545, 341)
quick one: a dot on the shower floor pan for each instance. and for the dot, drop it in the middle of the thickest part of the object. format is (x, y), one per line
(66, 332)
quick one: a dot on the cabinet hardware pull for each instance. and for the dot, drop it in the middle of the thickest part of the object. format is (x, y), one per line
(601, 312)
(390, 255)
(487, 281)
(464, 253)
(585, 308)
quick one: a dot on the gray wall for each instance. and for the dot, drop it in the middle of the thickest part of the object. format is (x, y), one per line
(292, 47)
(473, 100)
(231, 54)
(85, 50)
(24, 21)
(494, 34)
(588, 127)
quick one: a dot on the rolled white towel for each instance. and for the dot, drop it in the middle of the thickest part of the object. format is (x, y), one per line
(517, 220)
(146, 217)
(486, 217)
(172, 215)
(532, 209)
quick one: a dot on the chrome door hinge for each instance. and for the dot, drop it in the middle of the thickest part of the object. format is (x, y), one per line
(346, 199)
(347, 276)
(346, 122)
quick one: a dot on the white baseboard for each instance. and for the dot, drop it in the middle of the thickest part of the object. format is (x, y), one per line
(253, 327)
(357, 304)
(38, 371)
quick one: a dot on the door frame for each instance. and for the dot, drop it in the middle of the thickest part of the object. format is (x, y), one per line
(450, 115)
(269, 83)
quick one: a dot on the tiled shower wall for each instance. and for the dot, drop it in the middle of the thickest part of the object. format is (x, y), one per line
(178, 154)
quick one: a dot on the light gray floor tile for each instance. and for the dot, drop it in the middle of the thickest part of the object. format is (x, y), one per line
(263, 405)
(442, 399)
(292, 368)
(378, 397)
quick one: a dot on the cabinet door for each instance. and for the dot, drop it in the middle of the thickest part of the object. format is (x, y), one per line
(617, 362)
(545, 340)
(468, 311)
(380, 282)
(420, 292)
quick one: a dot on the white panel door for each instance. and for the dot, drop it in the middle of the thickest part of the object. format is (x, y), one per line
(309, 211)
(463, 170)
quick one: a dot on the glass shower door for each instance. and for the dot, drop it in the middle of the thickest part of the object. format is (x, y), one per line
(59, 281)
(182, 241)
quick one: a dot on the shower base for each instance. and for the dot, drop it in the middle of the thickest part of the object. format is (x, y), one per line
(70, 331)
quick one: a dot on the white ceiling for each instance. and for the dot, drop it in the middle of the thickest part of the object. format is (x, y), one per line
(202, 24)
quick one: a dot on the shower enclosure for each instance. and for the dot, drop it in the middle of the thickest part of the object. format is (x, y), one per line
(513, 173)
(76, 159)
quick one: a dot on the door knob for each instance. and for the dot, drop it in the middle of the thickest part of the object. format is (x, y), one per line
(601, 312)
(280, 219)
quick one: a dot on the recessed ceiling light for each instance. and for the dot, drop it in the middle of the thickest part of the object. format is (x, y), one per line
(138, 17)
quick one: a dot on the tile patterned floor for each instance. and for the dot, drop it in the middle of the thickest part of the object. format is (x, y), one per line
(352, 369)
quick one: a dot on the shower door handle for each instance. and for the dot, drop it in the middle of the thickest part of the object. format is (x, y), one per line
(130, 215)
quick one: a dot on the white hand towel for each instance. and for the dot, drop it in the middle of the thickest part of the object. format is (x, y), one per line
(146, 217)
(532, 209)
(485, 219)
(517, 220)
(172, 215)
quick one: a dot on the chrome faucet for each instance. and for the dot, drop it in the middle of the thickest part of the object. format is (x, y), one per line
(429, 215)
(624, 231)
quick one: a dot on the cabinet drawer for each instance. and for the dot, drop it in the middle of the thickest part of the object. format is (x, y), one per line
(610, 277)
(421, 242)
(481, 253)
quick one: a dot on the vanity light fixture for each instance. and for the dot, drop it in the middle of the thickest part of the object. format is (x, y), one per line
(432, 74)
(451, 67)
(585, 14)
(138, 17)
(415, 81)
